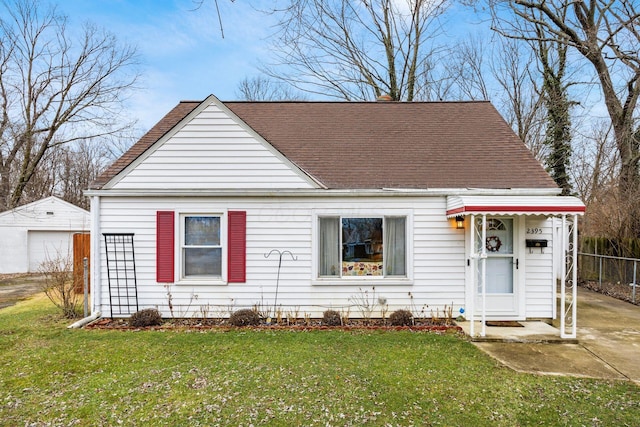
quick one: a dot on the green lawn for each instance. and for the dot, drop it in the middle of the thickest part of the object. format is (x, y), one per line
(53, 376)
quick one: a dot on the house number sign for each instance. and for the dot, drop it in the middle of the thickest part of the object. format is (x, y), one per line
(534, 230)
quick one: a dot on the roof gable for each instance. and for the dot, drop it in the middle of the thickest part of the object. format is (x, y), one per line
(209, 148)
(168, 122)
(50, 211)
(372, 145)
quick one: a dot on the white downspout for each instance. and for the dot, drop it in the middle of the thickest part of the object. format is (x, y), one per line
(96, 277)
(80, 323)
(96, 289)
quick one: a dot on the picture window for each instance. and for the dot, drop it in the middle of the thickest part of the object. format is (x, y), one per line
(365, 247)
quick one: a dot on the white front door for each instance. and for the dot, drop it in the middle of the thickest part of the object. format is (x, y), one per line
(501, 265)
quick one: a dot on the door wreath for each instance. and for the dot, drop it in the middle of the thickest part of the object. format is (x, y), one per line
(493, 244)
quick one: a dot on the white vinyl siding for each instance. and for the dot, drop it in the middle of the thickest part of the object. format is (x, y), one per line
(436, 269)
(540, 289)
(436, 261)
(212, 151)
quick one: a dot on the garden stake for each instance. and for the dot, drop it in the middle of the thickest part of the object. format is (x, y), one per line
(280, 254)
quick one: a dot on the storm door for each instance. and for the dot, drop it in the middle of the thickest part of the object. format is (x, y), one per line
(501, 265)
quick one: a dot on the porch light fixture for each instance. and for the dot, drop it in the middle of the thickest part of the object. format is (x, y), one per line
(460, 222)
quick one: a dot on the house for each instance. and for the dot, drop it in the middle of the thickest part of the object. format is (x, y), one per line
(431, 203)
(42, 231)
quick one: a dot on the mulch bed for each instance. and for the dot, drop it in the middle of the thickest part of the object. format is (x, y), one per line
(423, 325)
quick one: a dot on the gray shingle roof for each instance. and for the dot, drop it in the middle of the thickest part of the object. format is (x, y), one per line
(370, 145)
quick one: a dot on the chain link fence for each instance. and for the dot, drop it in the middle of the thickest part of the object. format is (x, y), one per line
(610, 275)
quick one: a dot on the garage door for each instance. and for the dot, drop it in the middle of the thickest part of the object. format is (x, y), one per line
(49, 245)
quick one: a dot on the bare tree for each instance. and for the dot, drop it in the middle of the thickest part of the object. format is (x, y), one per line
(595, 165)
(606, 34)
(357, 50)
(468, 70)
(520, 99)
(43, 181)
(596, 174)
(56, 88)
(77, 168)
(198, 4)
(262, 88)
(552, 56)
(58, 286)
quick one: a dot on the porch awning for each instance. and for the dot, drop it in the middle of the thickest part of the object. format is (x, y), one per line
(514, 205)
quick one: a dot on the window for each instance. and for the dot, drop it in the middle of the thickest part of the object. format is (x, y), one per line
(362, 247)
(201, 247)
(499, 240)
(210, 247)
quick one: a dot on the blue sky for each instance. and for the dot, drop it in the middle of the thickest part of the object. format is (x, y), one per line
(182, 53)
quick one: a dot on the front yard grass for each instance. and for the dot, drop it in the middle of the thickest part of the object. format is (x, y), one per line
(53, 376)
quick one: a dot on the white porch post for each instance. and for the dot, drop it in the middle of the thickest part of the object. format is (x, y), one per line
(483, 260)
(570, 252)
(563, 275)
(575, 276)
(472, 252)
(555, 267)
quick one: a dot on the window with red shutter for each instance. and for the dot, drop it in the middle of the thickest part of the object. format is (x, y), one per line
(200, 247)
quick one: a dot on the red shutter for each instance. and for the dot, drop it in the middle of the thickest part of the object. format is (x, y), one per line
(165, 246)
(237, 236)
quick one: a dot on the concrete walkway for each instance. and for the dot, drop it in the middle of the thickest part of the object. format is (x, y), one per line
(607, 346)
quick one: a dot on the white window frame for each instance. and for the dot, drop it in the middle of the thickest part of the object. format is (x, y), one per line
(362, 280)
(180, 246)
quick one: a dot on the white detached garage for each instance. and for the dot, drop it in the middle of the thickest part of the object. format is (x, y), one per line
(32, 233)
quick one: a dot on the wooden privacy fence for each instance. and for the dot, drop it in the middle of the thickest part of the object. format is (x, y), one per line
(625, 248)
(81, 249)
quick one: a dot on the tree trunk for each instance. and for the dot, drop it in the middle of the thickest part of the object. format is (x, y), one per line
(5, 186)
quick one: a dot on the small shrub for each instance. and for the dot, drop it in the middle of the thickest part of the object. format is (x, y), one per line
(244, 317)
(331, 318)
(401, 318)
(58, 285)
(146, 317)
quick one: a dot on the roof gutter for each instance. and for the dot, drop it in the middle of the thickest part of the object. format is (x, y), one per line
(383, 192)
